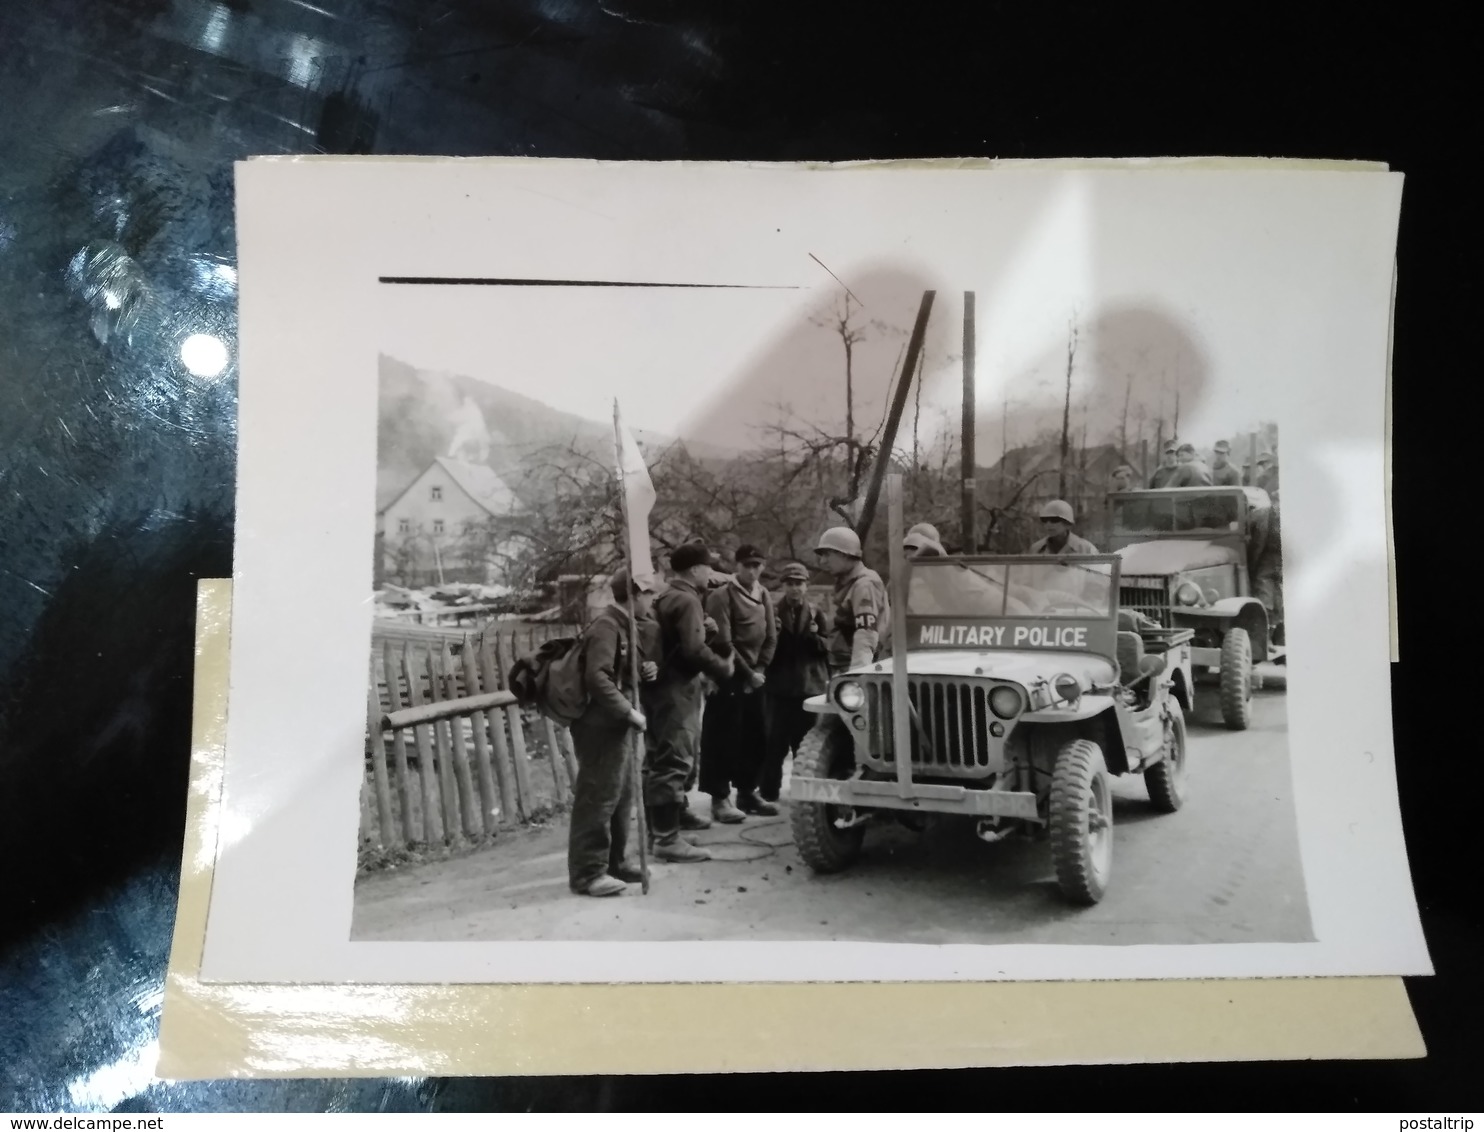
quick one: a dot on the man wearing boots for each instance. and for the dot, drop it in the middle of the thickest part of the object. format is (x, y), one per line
(800, 669)
(603, 795)
(733, 730)
(675, 723)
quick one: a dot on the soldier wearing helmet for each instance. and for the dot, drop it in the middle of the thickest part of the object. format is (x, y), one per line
(862, 612)
(1056, 521)
(923, 541)
(1223, 472)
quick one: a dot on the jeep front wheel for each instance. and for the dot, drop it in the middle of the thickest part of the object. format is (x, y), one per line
(826, 752)
(1236, 679)
(1166, 778)
(1081, 821)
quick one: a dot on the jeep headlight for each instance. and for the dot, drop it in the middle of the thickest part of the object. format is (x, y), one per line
(1006, 702)
(1187, 593)
(850, 696)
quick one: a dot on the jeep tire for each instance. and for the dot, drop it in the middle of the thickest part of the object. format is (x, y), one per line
(826, 752)
(1236, 679)
(1166, 779)
(1081, 821)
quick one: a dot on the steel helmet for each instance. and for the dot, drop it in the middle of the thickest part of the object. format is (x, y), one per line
(1058, 509)
(925, 529)
(842, 539)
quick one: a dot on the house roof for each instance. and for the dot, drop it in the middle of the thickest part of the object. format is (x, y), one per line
(480, 483)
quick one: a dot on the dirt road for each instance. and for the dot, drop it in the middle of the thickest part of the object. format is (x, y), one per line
(1225, 869)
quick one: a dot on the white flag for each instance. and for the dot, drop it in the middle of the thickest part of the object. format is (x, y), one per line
(638, 501)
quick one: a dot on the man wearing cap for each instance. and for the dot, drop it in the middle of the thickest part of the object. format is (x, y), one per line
(598, 863)
(733, 728)
(1056, 521)
(1266, 475)
(800, 669)
(1189, 471)
(1166, 471)
(923, 541)
(675, 722)
(1223, 472)
(1123, 478)
(862, 629)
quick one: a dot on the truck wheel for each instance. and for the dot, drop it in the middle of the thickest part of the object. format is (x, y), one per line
(1081, 821)
(826, 752)
(1236, 679)
(1166, 778)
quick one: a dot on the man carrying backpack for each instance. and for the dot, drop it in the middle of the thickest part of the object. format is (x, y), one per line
(675, 723)
(598, 863)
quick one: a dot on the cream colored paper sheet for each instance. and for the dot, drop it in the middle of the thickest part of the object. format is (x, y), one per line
(243, 1030)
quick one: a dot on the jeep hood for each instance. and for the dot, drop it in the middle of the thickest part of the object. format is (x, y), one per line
(1020, 665)
(1171, 556)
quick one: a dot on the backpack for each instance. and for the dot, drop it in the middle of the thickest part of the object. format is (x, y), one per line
(551, 681)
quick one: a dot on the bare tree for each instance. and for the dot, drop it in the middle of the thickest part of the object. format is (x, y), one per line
(842, 321)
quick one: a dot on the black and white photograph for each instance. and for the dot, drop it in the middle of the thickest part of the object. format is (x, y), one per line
(1095, 665)
(841, 573)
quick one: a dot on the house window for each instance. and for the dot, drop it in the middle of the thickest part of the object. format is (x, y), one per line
(437, 526)
(435, 493)
(404, 526)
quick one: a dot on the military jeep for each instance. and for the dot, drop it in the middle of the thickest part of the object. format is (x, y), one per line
(1189, 556)
(1015, 687)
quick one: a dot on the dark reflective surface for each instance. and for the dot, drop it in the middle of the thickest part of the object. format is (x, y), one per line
(119, 120)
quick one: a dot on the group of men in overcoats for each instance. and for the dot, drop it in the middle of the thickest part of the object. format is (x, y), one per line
(725, 670)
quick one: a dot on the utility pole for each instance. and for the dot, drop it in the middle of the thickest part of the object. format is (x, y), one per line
(1066, 412)
(966, 516)
(894, 416)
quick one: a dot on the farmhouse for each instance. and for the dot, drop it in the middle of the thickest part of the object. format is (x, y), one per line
(446, 525)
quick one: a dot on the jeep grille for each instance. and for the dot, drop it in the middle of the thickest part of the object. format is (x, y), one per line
(954, 716)
(1149, 596)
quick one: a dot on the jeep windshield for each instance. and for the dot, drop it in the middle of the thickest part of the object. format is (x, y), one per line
(1044, 587)
(1176, 514)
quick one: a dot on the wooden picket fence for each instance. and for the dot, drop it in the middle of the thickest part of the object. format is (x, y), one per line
(451, 758)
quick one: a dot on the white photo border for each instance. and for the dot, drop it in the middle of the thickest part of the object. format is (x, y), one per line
(1315, 248)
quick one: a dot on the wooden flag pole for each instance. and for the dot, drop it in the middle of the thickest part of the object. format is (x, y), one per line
(636, 758)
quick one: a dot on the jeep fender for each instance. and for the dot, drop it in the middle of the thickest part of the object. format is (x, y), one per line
(1243, 612)
(1093, 717)
(1180, 688)
(819, 705)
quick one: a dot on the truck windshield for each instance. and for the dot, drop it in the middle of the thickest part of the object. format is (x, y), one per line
(1164, 514)
(1058, 587)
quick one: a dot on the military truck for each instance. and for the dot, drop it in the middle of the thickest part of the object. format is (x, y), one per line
(1016, 686)
(1188, 558)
